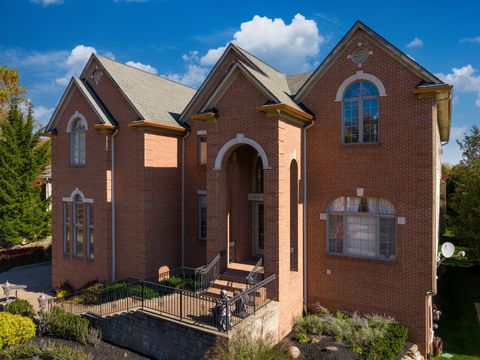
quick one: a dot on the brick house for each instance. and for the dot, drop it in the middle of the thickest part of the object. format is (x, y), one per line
(331, 177)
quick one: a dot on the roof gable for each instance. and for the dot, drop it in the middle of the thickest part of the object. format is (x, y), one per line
(154, 98)
(91, 98)
(386, 46)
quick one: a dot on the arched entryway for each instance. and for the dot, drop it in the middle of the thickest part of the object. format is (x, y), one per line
(245, 204)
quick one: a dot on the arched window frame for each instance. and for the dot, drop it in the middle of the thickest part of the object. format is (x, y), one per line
(77, 127)
(348, 216)
(362, 105)
(257, 175)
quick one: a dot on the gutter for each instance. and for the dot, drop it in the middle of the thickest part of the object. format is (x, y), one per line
(113, 203)
(304, 166)
(183, 196)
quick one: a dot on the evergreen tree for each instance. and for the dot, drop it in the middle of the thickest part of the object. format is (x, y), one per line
(24, 215)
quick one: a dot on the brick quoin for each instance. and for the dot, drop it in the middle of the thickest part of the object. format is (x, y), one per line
(401, 168)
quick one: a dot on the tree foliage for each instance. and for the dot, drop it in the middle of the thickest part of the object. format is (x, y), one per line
(24, 215)
(9, 86)
(463, 195)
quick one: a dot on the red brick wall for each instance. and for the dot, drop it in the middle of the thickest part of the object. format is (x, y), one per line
(399, 169)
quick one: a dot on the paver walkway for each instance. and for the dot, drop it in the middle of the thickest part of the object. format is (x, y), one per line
(38, 279)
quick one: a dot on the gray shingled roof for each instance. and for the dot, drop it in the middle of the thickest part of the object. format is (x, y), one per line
(155, 98)
(276, 82)
(296, 81)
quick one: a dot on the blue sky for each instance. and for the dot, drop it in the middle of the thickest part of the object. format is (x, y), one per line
(49, 40)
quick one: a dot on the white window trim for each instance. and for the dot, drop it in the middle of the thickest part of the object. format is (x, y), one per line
(73, 118)
(77, 191)
(240, 139)
(89, 227)
(360, 75)
(66, 228)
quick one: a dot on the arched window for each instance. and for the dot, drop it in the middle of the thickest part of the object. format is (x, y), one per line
(78, 220)
(360, 113)
(362, 227)
(77, 142)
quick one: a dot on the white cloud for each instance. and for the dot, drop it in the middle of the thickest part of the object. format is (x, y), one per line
(456, 133)
(47, 2)
(194, 75)
(192, 56)
(144, 67)
(289, 47)
(415, 43)
(75, 62)
(475, 39)
(42, 114)
(465, 79)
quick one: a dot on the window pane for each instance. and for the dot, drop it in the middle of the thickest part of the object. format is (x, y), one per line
(353, 204)
(361, 235)
(66, 228)
(370, 120)
(79, 242)
(90, 231)
(91, 247)
(78, 227)
(337, 205)
(335, 236)
(202, 150)
(361, 89)
(350, 121)
(385, 207)
(387, 238)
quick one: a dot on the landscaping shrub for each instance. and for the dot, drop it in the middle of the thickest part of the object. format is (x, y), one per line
(67, 326)
(386, 347)
(24, 256)
(309, 324)
(51, 352)
(20, 307)
(243, 347)
(64, 289)
(15, 329)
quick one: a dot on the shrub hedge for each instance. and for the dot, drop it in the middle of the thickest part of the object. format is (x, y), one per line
(51, 352)
(389, 345)
(15, 329)
(24, 256)
(20, 307)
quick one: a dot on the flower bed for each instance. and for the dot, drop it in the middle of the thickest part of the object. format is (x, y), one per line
(369, 337)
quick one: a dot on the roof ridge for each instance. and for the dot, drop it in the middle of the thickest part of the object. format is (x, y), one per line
(146, 72)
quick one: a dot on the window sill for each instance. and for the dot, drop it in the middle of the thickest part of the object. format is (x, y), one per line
(364, 145)
(362, 259)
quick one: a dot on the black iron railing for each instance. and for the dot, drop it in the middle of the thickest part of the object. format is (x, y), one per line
(255, 276)
(180, 304)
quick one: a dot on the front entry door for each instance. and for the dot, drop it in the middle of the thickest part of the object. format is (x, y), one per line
(258, 229)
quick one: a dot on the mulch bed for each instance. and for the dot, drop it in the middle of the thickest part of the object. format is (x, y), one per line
(314, 351)
(104, 350)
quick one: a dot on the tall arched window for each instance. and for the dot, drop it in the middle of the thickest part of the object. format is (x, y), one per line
(258, 175)
(78, 217)
(362, 227)
(360, 113)
(77, 142)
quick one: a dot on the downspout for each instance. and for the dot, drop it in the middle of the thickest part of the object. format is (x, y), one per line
(113, 202)
(183, 196)
(304, 165)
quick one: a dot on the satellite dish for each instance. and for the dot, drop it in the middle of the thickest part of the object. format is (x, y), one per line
(448, 249)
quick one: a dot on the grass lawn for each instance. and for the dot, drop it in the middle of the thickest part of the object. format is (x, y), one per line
(459, 326)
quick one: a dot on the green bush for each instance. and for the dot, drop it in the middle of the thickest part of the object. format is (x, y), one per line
(389, 345)
(20, 307)
(15, 329)
(309, 324)
(302, 338)
(64, 289)
(51, 352)
(66, 326)
(243, 347)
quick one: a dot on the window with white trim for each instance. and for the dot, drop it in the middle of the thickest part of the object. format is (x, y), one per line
(77, 143)
(90, 231)
(362, 227)
(202, 216)
(202, 149)
(360, 113)
(78, 232)
(66, 228)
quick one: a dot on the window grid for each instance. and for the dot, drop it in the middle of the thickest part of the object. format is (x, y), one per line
(202, 217)
(78, 226)
(77, 144)
(374, 233)
(90, 232)
(360, 114)
(66, 228)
